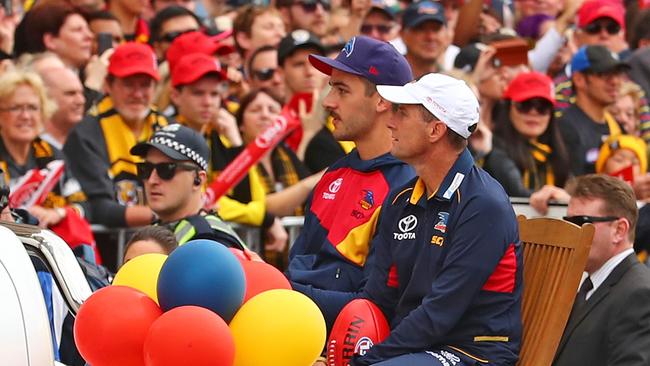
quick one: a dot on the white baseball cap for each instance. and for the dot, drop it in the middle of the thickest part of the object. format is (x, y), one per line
(449, 99)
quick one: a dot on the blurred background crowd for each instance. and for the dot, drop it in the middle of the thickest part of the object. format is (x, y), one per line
(562, 84)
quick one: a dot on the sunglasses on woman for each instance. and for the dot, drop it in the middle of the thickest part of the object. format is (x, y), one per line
(542, 106)
(583, 219)
(165, 171)
(610, 26)
(309, 6)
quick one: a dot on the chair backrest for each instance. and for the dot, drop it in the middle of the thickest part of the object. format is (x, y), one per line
(555, 254)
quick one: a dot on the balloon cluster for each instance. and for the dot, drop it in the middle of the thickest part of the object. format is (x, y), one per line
(202, 305)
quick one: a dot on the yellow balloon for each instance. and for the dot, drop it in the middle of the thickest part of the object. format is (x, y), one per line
(278, 327)
(141, 273)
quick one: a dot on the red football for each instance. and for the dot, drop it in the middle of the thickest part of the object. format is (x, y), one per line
(358, 327)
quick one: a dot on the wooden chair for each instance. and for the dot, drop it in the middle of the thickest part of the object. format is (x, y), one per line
(555, 254)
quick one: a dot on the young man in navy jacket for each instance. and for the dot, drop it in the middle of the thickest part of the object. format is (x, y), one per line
(327, 260)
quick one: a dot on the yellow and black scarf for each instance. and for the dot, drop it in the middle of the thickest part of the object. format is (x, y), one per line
(541, 171)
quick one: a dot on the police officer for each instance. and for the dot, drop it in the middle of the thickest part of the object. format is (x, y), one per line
(173, 174)
(447, 268)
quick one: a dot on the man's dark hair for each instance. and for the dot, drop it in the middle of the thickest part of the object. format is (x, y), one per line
(641, 29)
(262, 49)
(617, 196)
(370, 88)
(101, 15)
(174, 11)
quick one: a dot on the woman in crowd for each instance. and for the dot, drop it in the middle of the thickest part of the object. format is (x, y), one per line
(528, 154)
(279, 181)
(627, 108)
(23, 108)
(150, 239)
(279, 176)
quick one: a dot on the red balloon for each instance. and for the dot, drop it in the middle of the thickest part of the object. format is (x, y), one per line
(240, 254)
(112, 324)
(189, 335)
(262, 277)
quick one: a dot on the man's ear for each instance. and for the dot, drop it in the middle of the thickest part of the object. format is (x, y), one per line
(621, 231)
(383, 105)
(578, 79)
(174, 94)
(436, 130)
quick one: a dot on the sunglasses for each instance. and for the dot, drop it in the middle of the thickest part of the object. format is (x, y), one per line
(581, 219)
(542, 106)
(309, 6)
(165, 171)
(264, 74)
(171, 36)
(596, 27)
(381, 28)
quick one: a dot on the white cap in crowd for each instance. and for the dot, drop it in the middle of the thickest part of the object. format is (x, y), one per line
(448, 99)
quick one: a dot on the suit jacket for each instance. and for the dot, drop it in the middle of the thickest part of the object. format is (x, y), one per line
(613, 327)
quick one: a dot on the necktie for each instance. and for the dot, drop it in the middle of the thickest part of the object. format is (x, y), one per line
(581, 297)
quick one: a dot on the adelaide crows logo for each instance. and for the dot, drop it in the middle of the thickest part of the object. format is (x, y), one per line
(349, 47)
(367, 199)
(441, 225)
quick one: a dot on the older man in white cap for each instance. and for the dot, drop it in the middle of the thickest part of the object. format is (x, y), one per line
(448, 265)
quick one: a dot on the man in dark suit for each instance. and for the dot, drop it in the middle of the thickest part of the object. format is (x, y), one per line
(610, 320)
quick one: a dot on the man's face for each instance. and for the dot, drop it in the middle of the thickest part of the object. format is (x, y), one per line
(171, 29)
(159, 5)
(66, 90)
(353, 110)
(600, 88)
(299, 75)
(426, 41)
(267, 30)
(199, 102)
(310, 15)
(264, 72)
(109, 26)
(378, 26)
(602, 247)
(73, 44)
(132, 96)
(168, 197)
(409, 132)
(602, 31)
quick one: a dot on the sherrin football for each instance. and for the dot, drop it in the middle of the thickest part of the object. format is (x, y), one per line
(359, 326)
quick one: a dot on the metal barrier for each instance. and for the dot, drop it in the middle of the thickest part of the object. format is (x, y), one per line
(249, 234)
(252, 236)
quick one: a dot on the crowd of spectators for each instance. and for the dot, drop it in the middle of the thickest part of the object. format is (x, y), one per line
(563, 88)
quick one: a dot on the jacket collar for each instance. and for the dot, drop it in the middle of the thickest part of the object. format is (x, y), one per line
(450, 183)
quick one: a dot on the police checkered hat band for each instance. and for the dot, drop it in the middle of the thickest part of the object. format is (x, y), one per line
(179, 143)
(182, 149)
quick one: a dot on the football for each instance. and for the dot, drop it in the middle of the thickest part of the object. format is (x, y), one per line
(359, 326)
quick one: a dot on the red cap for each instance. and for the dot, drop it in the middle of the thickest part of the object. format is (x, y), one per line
(133, 58)
(594, 9)
(196, 42)
(192, 67)
(528, 85)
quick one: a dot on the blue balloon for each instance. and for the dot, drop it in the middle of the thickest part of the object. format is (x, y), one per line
(202, 273)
